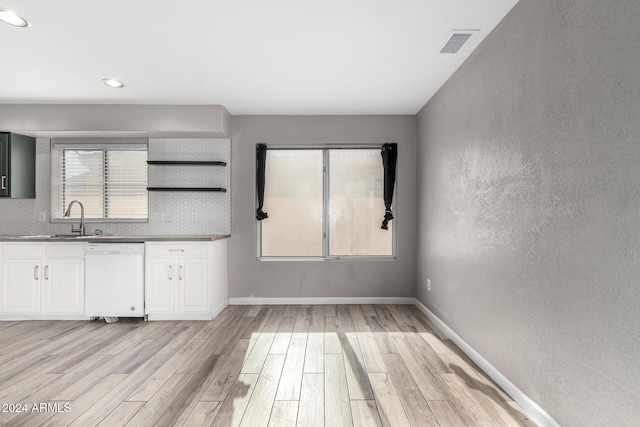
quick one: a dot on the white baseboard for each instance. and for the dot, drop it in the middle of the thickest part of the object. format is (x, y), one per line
(219, 309)
(20, 318)
(321, 300)
(538, 414)
(178, 316)
(188, 316)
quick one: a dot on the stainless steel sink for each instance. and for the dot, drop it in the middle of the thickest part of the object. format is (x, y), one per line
(61, 236)
(77, 236)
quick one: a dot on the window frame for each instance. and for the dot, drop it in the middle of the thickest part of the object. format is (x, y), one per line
(326, 201)
(92, 145)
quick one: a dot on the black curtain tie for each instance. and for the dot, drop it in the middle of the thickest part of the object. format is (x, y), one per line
(261, 160)
(389, 160)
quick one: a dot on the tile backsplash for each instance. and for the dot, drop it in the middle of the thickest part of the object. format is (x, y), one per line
(170, 213)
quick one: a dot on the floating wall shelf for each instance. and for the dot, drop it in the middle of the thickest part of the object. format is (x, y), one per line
(210, 189)
(186, 162)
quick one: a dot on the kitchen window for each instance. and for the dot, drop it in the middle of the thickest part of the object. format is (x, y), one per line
(109, 179)
(324, 203)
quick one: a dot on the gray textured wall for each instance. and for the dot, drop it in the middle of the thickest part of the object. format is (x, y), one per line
(529, 206)
(249, 277)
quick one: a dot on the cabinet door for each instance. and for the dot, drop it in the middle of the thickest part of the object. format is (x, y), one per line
(63, 286)
(17, 166)
(192, 276)
(160, 285)
(4, 164)
(21, 285)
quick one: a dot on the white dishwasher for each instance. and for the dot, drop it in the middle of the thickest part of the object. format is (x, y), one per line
(114, 280)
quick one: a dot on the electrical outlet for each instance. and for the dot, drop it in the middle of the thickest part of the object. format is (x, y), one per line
(428, 284)
(42, 217)
(194, 216)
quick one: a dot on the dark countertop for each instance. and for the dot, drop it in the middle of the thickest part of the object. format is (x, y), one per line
(105, 238)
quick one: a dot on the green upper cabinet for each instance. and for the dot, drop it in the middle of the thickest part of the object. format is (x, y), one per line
(17, 166)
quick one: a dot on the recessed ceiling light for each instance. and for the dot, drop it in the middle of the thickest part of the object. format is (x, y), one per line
(113, 83)
(13, 18)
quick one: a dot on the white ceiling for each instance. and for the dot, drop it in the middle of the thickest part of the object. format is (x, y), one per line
(252, 56)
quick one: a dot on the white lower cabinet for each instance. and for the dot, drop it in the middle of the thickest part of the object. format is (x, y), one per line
(180, 282)
(160, 293)
(192, 285)
(21, 285)
(183, 280)
(42, 280)
(63, 286)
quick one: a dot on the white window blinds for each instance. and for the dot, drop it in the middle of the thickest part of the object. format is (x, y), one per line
(110, 180)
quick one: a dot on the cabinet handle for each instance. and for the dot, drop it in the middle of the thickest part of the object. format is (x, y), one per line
(176, 250)
(4, 182)
(46, 272)
(170, 272)
(35, 272)
(180, 273)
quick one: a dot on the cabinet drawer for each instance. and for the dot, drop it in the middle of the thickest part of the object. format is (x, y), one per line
(64, 250)
(15, 250)
(180, 249)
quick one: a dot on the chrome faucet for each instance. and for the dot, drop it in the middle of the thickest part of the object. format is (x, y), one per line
(80, 229)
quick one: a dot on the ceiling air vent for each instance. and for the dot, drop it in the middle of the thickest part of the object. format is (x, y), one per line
(455, 43)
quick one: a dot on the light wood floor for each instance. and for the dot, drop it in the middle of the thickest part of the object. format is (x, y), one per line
(359, 365)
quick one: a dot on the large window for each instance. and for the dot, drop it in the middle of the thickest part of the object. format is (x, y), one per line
(110, 180)
(324, 203)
